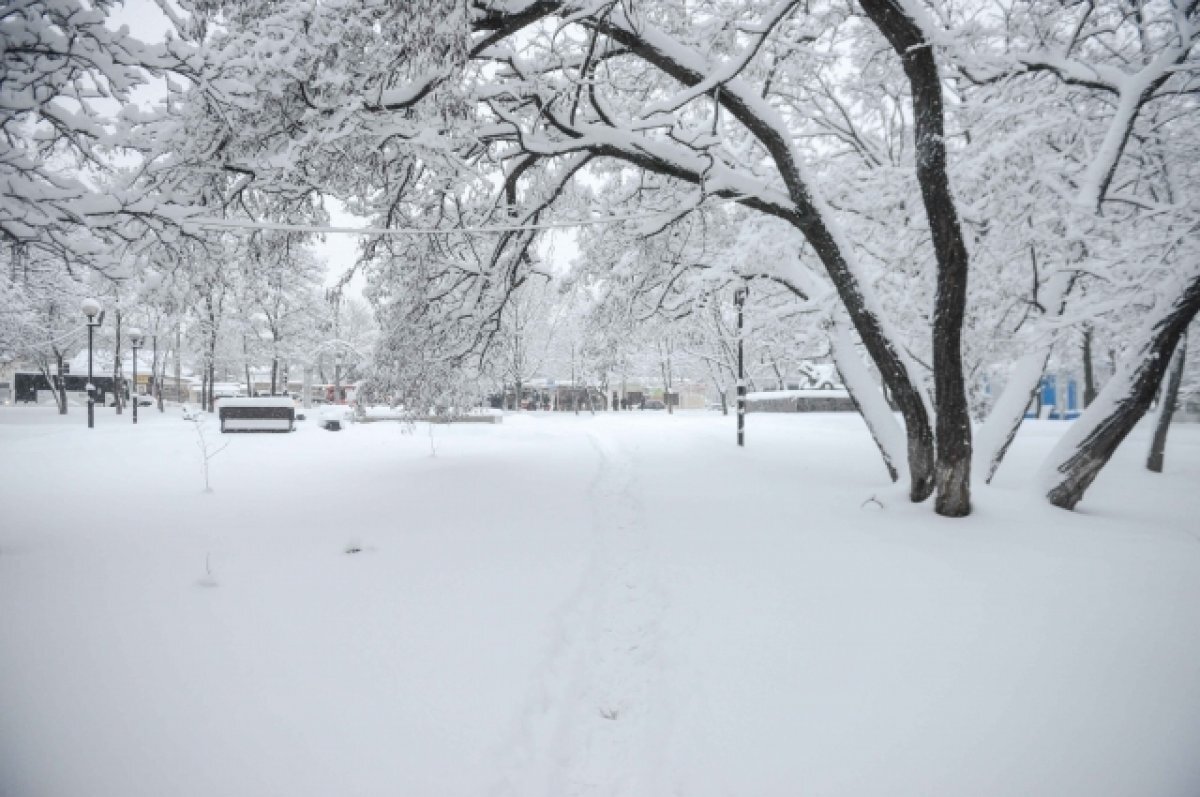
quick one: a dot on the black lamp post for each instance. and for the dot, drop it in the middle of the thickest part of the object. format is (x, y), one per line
(739, 301)
(95, 317)
(135, 343)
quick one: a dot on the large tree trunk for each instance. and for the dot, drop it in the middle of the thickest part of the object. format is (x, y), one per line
(1167, 408)
(1087, 446)
(953, 471)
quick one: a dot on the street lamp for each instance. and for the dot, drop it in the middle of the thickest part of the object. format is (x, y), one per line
(739, 301)
(95, 317)
(135, 343)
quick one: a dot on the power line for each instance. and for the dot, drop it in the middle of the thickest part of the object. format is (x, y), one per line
(249, 224)
(55, 341)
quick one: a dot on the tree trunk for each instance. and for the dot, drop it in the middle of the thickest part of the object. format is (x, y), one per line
(117, 376)
(337, 378)
(953, 470)
(1080, 455)
(159, 379)
(1167, 409)
(724, 400)
(212, 391)
(1089, 373)
(62, 383)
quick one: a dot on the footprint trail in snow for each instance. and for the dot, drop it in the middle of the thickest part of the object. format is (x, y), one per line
(597, 720)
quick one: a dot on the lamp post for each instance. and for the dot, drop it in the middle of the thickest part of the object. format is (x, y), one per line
(95, 317)
(739, 301)
(155, 387)
(135, 343)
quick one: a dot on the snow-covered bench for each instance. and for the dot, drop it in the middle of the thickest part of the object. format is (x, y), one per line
(273, 414)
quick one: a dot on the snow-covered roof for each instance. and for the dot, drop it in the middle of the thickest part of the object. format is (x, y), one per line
(102, 363)
(807, 393)
(262, 401)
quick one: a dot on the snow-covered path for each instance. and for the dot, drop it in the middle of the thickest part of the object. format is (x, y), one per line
(624, 604)
(597, 716)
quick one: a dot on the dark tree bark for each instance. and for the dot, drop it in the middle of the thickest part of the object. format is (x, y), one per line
(1089, 373)
(212, 391)
(118, 380)
(1074, 464)
(953, 471)
(62, 382)
(213, 308)
(1158, 445)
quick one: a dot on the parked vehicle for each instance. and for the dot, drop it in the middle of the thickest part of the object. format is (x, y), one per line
(653, 404)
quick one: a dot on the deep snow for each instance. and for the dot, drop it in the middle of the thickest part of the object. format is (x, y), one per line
(558, 605)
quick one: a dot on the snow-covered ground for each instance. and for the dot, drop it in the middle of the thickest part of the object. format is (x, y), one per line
(557, 605)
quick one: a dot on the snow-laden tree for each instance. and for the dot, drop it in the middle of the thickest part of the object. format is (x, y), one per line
(529, 328)
(40, 320)
(67, 82)
(888, 150)
(1119, 84)
(280, 277)
(706, 124)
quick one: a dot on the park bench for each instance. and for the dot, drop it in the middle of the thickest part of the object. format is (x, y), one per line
(267, 414)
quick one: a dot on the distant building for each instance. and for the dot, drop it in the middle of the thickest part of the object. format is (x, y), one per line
(1057, 399)
(821, 400)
